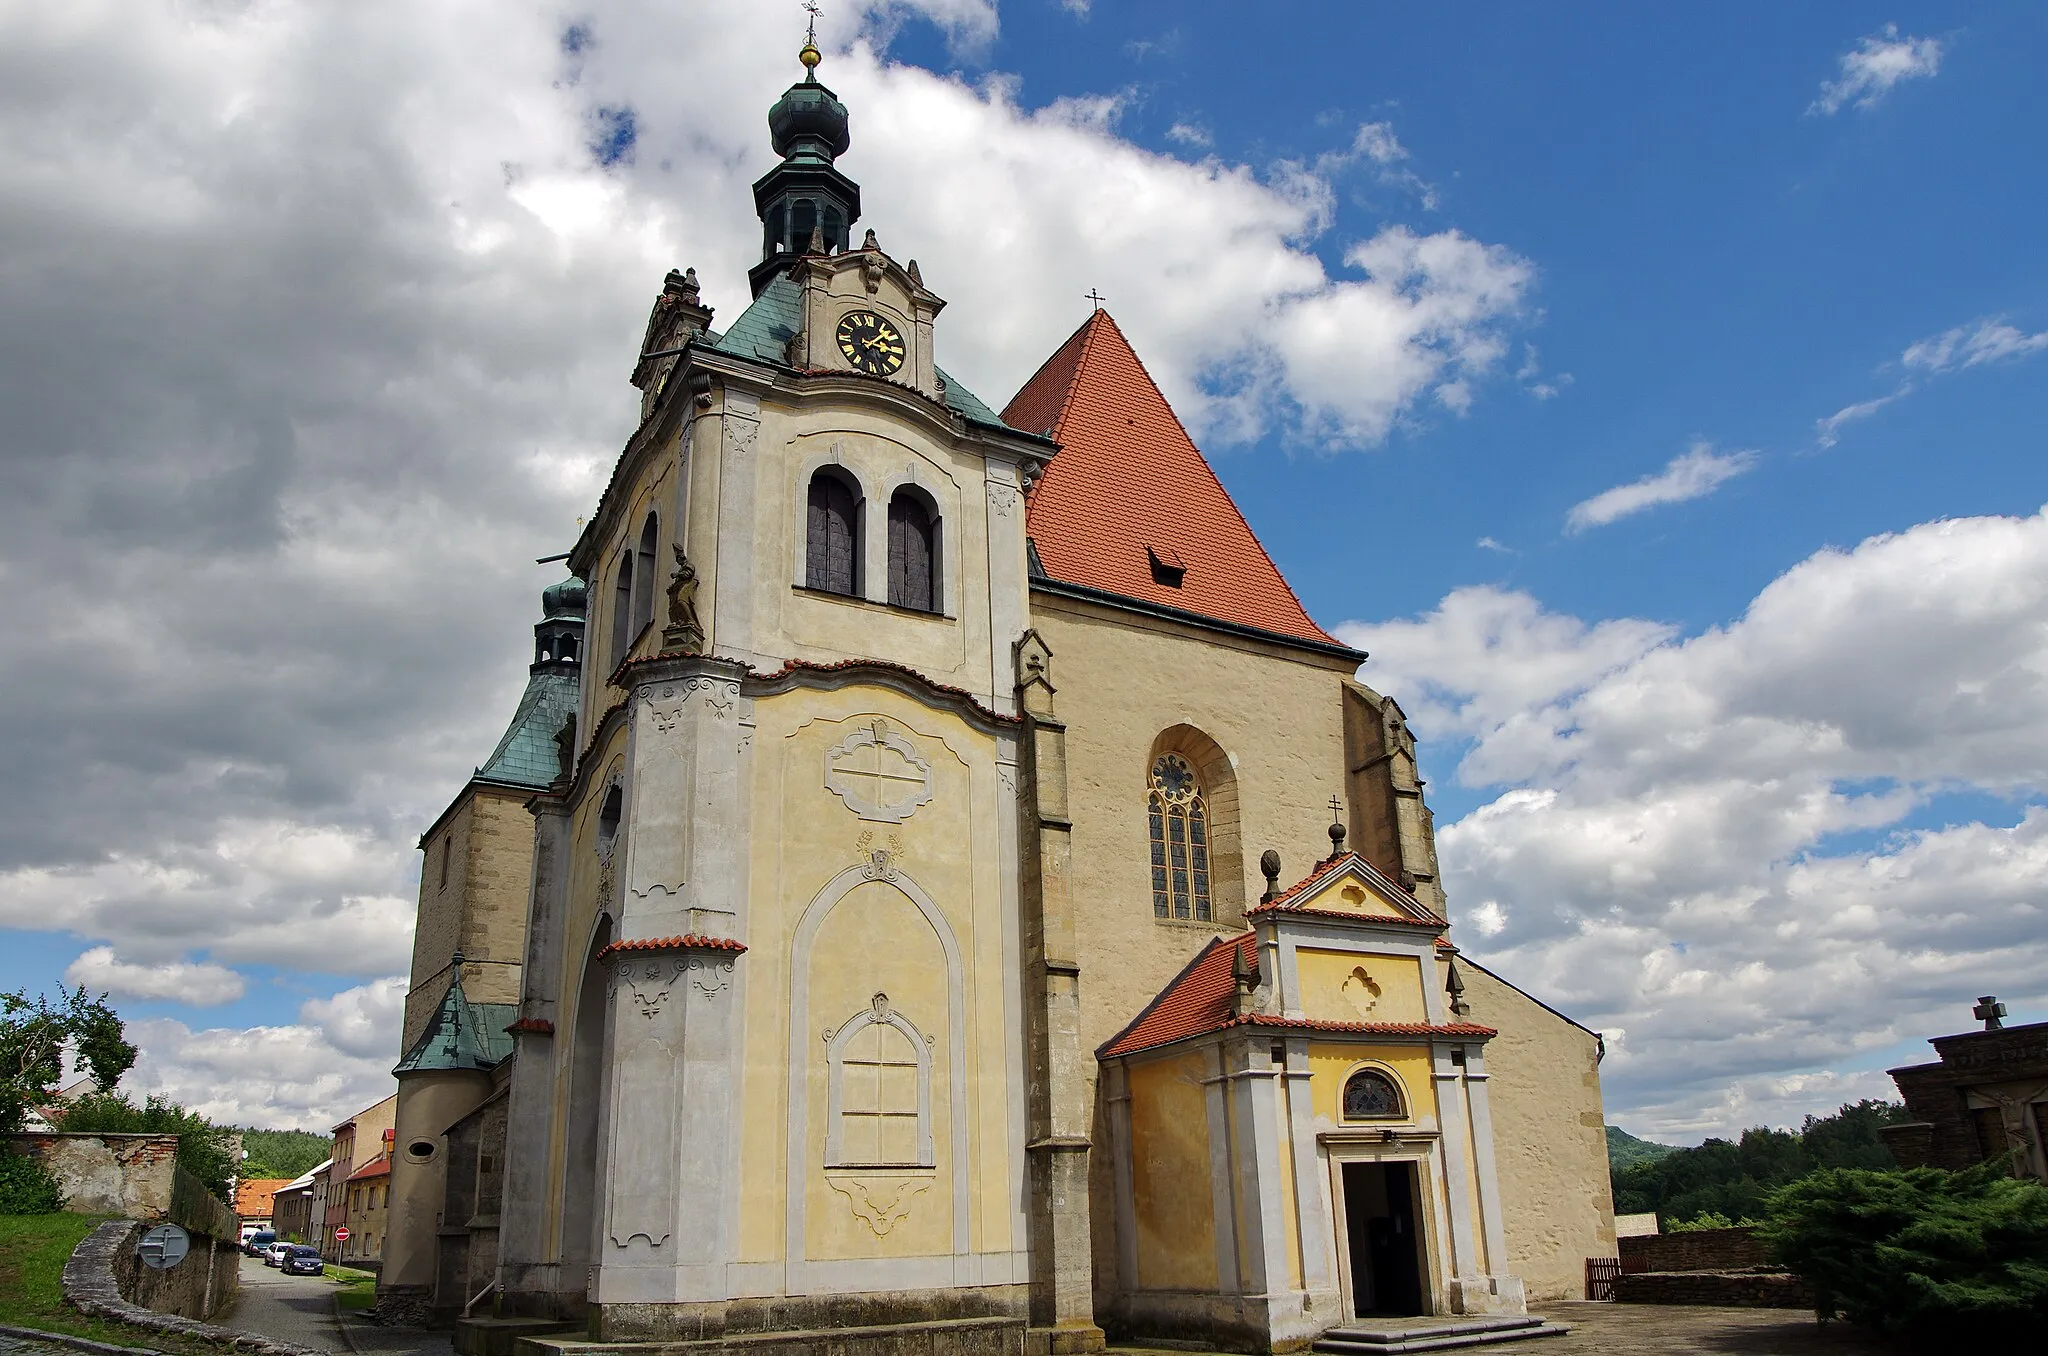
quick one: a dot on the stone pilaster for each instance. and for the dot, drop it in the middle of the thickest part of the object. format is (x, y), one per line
(527, 1283)
(1059, 1113)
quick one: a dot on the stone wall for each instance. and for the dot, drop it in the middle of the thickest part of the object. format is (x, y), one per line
(1750, 1289)
(1693, 1250)
(92, 1285)
(127, 1175)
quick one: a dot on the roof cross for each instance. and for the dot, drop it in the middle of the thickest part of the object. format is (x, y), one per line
(1095, 297)
(1988, 1011)
(811, 8)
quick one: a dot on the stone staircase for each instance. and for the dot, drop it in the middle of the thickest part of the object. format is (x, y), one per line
(1433, 1334)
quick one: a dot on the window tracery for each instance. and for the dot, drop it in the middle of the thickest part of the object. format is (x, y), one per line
(1178, 821)
(1370, 1095)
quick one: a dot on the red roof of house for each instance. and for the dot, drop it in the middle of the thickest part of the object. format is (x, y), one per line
(1128, 481)
(1197, 1002)
(253, 1197)
(376, 1167)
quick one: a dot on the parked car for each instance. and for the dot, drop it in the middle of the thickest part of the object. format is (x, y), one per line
(300, 1260)
(275, 1253)
(255, 1243)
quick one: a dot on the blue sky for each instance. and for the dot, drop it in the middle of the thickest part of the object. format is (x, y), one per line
(1744, 774)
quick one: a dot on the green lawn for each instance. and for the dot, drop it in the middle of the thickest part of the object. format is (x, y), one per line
(358, 1289)
(33, 1249)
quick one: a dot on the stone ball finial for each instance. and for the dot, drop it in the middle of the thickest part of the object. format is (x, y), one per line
(1336, 837)
(1269, 863)
(810, 56)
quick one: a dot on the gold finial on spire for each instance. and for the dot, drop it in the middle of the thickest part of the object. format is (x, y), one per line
(810, 55)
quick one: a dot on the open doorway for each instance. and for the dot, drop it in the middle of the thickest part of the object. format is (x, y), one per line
(1385, 1240)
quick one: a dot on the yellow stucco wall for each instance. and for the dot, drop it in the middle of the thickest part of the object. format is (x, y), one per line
(1330, 1064)
(875, 940)
(1350, 986)
(1170, 1177)
(1549, 1137)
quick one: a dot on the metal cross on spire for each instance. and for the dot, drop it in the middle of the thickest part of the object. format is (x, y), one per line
(1095, 297)
(811, 34)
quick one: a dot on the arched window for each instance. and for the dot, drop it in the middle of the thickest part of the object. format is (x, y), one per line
(643, 577)
(832, 536)
(1370, 1095)
(1179, 821)
(913, 552)
(878, 1092)
(622, 608)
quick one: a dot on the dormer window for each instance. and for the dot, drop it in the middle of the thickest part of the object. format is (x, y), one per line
(1167, 568)
(832, 539)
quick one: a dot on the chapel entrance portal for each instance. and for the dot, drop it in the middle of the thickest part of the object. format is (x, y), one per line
(1384, 1241)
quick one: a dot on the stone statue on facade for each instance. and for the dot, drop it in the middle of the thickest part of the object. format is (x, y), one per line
(684, 633)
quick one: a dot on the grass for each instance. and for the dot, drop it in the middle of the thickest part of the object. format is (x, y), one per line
(33, 1249)
(358, 1288)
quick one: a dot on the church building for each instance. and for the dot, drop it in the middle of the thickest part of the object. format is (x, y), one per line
(967, 896)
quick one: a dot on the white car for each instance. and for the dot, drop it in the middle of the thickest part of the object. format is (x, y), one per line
(274, 1254)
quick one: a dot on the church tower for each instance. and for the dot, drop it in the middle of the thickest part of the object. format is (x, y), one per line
(771, 1067)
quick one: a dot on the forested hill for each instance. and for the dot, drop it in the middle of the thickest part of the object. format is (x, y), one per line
(1733, 1179)
(1625, 1150)
(281, 1153)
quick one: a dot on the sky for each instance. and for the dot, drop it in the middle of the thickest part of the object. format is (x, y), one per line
(1656, 395)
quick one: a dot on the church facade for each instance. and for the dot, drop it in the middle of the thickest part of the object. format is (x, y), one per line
(972, 895)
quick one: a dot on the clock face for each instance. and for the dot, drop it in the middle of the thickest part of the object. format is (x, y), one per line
(870, 343)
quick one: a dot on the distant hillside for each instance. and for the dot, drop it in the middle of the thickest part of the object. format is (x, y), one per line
(1625, 1150)
(281, 1153)
(1736, 1178)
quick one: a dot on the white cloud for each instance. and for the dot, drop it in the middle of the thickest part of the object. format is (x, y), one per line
(1188, 134)
(1985, 341)
(1693, 474)
(200, 984)
(1988, 340)
(1702, 843)
(1489, 544)
(1828, 431)
(1873, 66)
(371, 297)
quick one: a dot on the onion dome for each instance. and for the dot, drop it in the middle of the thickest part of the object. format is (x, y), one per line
(565, 599)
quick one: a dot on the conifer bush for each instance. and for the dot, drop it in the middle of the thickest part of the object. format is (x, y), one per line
(1925, 1255)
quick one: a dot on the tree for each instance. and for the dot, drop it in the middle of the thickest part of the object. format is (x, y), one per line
(1736, 1178)
(1938, 1258)
(34, 1037)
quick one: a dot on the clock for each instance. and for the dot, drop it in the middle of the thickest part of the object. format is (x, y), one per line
(870, 343)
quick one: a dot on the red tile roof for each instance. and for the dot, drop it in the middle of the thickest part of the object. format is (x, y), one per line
(376, 1167)
(1127, 481)
(686, 942)
(1197, 1002)
(253, 1197)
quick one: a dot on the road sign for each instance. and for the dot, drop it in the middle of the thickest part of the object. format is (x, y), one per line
(164, 1247)
(341, 1234)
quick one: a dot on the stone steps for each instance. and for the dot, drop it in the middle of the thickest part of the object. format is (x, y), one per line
(1363, 1338)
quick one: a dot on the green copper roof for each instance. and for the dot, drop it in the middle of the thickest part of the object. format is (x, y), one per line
(461, 1034)
(528, 755)
(765, 328)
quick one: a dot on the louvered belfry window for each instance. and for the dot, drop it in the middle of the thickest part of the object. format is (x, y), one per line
(913, 573)
(832, 543)
(1179, 822)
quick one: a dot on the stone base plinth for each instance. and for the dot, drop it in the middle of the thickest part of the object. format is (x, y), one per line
(939, 1337)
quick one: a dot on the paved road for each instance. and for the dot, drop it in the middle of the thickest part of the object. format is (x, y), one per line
(296, 1309)
(21, 1346)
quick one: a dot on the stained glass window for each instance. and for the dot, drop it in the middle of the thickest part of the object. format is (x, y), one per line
(1371, 1096)
(1178, 819)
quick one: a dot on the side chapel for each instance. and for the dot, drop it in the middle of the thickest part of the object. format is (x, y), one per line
(933, 916)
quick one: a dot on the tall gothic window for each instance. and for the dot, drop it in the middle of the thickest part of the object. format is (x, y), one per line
(832, 536)
(1371, 1096)
(1179, 821)
(643, 577)
(913, 553)
(622, 608)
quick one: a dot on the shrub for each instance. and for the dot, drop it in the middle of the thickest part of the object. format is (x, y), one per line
(27, 1187)
(1710, 1220)
(1927, 1255)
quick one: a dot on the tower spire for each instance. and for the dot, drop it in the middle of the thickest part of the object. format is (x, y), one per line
(805, 195)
